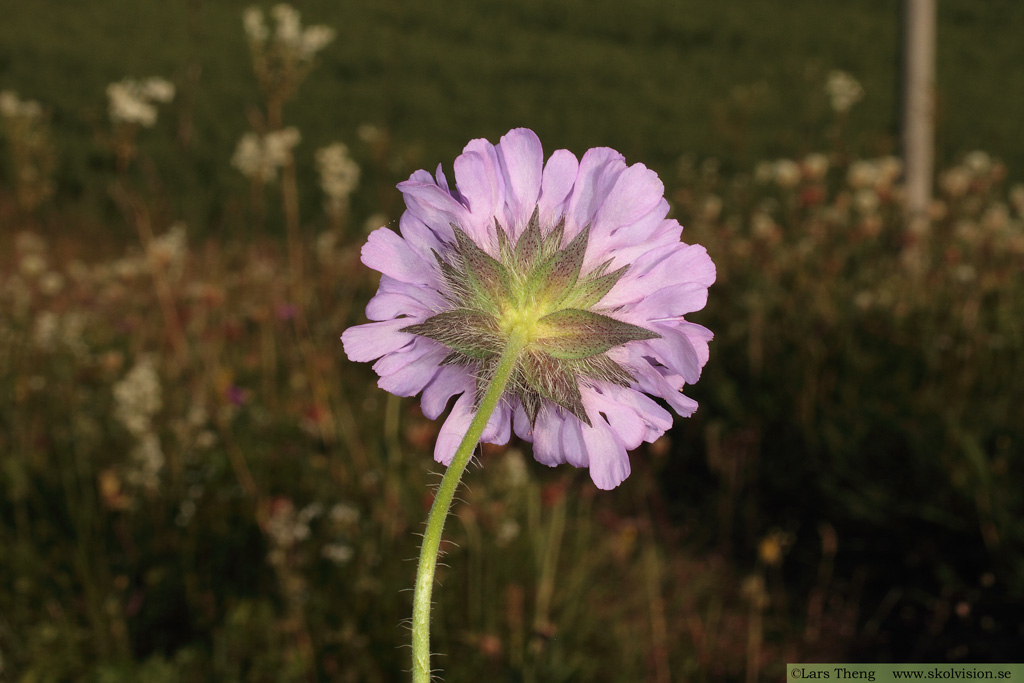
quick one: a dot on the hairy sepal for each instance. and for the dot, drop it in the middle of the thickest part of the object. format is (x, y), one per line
(573, 333)
(467, 332)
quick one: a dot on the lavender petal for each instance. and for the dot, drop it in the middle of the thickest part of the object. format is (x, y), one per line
(522, 160)
(364, 343)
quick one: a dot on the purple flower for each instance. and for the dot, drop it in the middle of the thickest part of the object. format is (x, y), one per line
(576, 253)
(236, 395)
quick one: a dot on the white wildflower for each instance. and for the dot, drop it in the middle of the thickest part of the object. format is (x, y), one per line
(370, 134)
(507, 532)
(516, 473)
(132, 101)
(44, 333)
(965, 272)
(278, 144)
(338, 553)
(197, 415)
(711, 208)
(32, 265)
(1017, 198)
(157, 89)
(710, 167)
(127, 268)
(956, 181)
(168, 251)
(866, 200)
(138, 397)
(937, 210)
(127, 107)
(764, 226)
(205, 440)
(967, 231)
(326, 243)
(786, 173)
(862, 173)
(259, 157)
(339, 175)
(815, 166)
(289, 26)
(843, 91)
(29, 242)
(764, 172)
(255, 27)
(284, 526)
(314, 39)
(310, 512)
(9, 103)
(72, 332)
(344, 514)
(248, 157)
(147, 462)
(996, 218)
(17, 291)
(374, 221)
(890, 169)
(977, 162)
(186, 511)
(13, 107)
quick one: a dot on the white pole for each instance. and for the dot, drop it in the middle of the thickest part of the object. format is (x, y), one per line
(918, 112)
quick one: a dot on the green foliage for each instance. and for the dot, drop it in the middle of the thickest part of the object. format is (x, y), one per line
(197, 486)
(873, 370)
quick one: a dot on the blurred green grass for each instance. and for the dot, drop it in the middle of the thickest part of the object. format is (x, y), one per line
(652, 79)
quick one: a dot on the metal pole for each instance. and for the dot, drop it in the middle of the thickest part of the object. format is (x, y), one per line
(918, 112)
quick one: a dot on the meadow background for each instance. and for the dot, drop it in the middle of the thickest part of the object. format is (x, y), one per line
(195, 484)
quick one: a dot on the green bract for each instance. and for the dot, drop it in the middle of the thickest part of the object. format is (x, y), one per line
(536, 288)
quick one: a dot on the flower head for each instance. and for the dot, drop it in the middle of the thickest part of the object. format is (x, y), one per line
(339, 174)
(843, 91)
(259, 156)
(577, 258)
(132, 101)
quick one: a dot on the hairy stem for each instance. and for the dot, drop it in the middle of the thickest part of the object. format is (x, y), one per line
(442, 503)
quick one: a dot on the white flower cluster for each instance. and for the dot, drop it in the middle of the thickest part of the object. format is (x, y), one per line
(339, 175)
(815, 166)
(344, 518)
(1017, 198)
(289, 37)
(787, 173)
(255, 27)
(843, 91)
(338, 553)
(138, 398)
(344, 515)
(259, 156)
(31, 149)
(53, 330)
(132, 101)
(12, 107)
(976, 169)
(875, 174)
(287, 526)
(873, 180)
(168, 251)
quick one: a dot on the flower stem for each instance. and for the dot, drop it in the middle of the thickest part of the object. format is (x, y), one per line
(442, 503)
